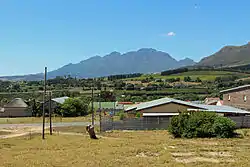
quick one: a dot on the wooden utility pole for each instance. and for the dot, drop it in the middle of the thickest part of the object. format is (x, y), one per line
(50, 122)
(92, 107)
(44, 99)
(100, 112)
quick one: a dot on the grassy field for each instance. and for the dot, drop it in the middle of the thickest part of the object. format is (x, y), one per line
(23, 120)
(133, 149)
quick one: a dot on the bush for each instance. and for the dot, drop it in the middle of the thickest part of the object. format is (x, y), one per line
(201, 125)
(73, 107)
(122, 116)
(224, 127)
(138, 115)
(177, 124)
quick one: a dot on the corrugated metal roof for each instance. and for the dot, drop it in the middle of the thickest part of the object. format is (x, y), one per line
(222, 109)
(131, 107)
(60, 100)
(159, 102)
(236, 88)
(159, 114)
(197, 102)
(202, 107)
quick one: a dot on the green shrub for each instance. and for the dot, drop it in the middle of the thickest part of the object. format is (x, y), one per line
(122, 116)
(224, 127)
(138, 115)
(177, 124)
(201, 125)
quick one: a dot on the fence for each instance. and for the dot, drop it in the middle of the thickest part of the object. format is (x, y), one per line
(155, 123)
(241, 121)
(146, 123)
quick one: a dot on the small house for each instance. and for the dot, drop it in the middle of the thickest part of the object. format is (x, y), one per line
(16, 108)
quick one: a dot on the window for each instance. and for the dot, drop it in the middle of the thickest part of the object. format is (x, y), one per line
(245, 98)
(229, 97)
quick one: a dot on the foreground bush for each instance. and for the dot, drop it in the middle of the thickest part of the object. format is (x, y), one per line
(201, 125)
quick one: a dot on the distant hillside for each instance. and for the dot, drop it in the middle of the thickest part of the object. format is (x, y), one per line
(144, 60)
(228, 56)
(31, 77)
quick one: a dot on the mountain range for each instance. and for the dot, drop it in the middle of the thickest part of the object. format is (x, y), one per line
(145, 60)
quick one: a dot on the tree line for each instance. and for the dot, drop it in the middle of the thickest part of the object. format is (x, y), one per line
(123, 76)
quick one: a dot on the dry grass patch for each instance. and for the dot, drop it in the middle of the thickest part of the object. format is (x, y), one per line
(25, 120)
(74, 129)
(133, 149)
(2, 132)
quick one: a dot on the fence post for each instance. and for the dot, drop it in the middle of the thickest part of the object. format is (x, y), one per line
(242, 123)
(100, 121)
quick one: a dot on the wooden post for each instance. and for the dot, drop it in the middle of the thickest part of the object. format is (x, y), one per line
(50, 122)
(44, 99)
(100, 113)
(92, 107)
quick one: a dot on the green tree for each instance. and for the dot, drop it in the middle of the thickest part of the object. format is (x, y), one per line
(187, 79)
(73, 107)
(198, 79)
(36, 108)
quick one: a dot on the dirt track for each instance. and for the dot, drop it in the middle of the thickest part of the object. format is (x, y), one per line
(17, 130)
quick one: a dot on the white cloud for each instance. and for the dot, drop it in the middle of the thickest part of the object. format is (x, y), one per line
(170, 34)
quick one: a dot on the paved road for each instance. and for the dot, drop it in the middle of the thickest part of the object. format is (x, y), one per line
(57, 124)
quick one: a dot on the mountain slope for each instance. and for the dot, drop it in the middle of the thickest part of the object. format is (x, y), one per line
(228, 56)
(145, 60)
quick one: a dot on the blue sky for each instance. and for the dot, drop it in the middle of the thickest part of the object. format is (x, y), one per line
(52, 33)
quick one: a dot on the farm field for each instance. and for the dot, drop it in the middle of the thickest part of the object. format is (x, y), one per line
(203, 75)
(140, 148)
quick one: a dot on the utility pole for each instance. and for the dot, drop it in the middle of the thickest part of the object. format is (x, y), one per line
(100, 112)
(44, 99)
(50, 122)
(92, 107)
